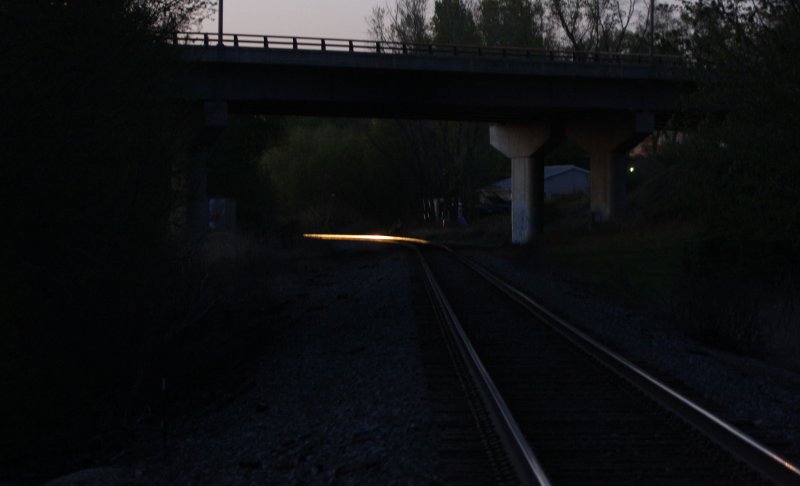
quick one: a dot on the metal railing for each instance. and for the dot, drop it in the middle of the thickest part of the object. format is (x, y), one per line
(320, 44)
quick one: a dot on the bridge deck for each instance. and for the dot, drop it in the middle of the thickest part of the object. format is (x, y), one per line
(361, 78)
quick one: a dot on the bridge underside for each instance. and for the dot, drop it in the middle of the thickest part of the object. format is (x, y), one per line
(419, 87)
(533, 104)
(512, 116)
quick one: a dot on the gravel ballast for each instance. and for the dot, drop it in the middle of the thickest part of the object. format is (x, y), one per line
(341, 400)
(338, 397)
(338, 394)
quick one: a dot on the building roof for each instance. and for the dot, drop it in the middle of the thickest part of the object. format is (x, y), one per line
(554, 170)
(549, 171)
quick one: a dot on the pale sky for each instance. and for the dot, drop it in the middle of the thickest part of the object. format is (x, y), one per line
(311, 18)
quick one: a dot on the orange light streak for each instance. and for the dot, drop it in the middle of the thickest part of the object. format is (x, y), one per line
(370, 238)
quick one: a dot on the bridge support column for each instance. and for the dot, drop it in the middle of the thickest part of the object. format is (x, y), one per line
(197, 194)
(608, 139)
(526, 145)
(215, 120)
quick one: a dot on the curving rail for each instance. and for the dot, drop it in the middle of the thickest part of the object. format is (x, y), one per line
(320, 44)
(768, 463)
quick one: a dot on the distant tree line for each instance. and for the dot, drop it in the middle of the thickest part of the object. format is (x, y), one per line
(586, 25)
(333, 174)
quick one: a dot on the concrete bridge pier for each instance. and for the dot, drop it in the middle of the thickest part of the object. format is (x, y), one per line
(608, 139)
(214, 122)
(526, 145)
(196, 193)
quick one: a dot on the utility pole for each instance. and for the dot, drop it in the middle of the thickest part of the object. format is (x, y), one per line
(652, 25)
(219, 32)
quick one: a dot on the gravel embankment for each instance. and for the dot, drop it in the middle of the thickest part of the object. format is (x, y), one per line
(339, 396)
(762, 399)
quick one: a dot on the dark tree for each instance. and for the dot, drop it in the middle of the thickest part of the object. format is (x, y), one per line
(454, 23)
(518, 23)
(90, 154)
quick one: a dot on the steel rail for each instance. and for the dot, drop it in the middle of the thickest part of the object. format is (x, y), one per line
(527, 467)
(321, 44)
(740, 445)
(763, 460)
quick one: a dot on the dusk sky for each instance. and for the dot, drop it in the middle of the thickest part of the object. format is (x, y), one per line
(313, 18)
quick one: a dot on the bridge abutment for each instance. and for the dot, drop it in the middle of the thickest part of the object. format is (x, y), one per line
(215, 119)
(608, 139)
(526, 145)
(197, 193)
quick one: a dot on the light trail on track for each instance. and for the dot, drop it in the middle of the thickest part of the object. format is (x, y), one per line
(369, 238)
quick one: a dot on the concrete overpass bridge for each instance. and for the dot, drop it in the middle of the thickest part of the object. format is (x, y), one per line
(605, 102)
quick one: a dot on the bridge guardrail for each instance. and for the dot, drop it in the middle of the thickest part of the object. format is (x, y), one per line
(320, 44)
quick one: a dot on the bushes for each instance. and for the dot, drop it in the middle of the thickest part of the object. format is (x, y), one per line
(738, 294)
(746, 316)
(740, 183)
(92, 274)
(740, 178)
(738, 175)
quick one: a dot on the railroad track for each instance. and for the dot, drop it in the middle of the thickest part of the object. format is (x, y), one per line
(587, 415)
(553, 406)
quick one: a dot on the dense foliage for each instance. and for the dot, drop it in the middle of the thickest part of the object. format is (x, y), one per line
(91, 157)
(738, 174)
(328, 174)
(752, 52)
